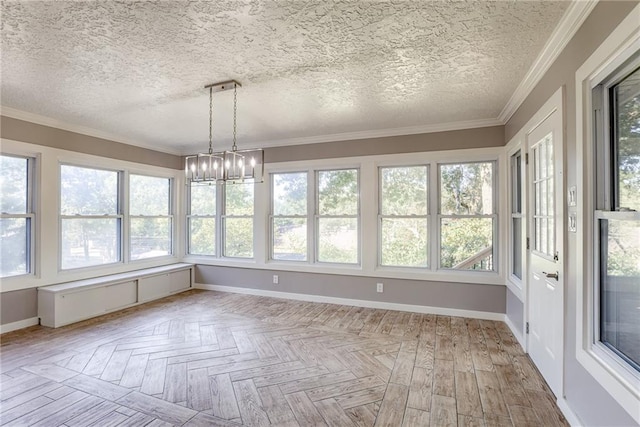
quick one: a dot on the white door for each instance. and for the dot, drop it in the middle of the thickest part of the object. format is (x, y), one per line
(545, 213)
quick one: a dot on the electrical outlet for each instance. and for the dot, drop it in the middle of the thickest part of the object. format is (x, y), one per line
(380, 287)
(275, 279)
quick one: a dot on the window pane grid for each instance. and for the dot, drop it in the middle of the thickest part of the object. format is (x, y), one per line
(202, 221)
(150, 218)
(90, 217)
(467, 218)
(544, 210)
(616, 218)
(237, 221)
(337, 216)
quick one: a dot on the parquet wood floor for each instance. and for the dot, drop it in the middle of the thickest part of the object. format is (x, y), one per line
(206, 358)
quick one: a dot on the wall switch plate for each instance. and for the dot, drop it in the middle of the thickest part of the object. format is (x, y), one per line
(275, 279)
(572, 196)
(380, 287)
(573, 222)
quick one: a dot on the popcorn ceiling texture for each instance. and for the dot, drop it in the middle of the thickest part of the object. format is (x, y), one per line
(308, 68)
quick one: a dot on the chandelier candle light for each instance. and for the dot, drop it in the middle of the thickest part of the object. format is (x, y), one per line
(226, 167)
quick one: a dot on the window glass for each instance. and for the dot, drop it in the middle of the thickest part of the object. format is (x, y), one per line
(150, 223)
(149, 195)
(404, 222)
(404, 190)
(289, 220)
(466, 219)
(627, 148)
(85, 191)
(466, 189)
(338, 240)
(90, 222)
(16, 216)
(202, 220)
(619, 225)
(89, 241)
(203, 199)
(238, 222)
(516, 215)
(338, 192)
(13, 184)
(338, 222)
(290, 194)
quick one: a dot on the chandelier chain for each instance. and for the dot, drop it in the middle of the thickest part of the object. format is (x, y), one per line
(235, 111)
(211, 120)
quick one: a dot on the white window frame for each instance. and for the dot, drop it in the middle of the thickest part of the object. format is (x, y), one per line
(30, 215)
(119, 216)
(223, 223)
(517, 286)
(318, 217)
(215, 216)
(309, 218)
(170, 215)
(611, 372)
(494, 218)
(427, 216)
(517, 157)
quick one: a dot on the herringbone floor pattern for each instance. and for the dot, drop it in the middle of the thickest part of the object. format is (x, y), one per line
(213, 359)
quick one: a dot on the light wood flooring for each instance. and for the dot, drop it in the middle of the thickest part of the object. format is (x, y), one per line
(206, 358)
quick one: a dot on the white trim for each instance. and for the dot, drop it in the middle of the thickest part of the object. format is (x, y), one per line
(517, 334)
(84, 130)
(569, 415)
(443, 311)
(608, 372)
(383, 133)
(574, 16)
(20, 324)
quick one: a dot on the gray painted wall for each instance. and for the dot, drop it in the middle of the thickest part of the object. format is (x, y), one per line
(515, 311)
(464, 296)
(18, 305)
(590, 402)
(20, 130)
(492, 136)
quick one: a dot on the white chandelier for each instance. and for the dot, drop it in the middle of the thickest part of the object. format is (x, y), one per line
(226, 167)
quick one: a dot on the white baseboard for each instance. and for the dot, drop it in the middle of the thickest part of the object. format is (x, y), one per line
(484, 315)
(568, 413)
(516, 333)
(14, 326)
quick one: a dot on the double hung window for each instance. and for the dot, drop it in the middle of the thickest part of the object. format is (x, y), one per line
(90, 217)
(404, 216)
(467, 216)
(337, 216)
(238, 220)
(16, 215)
(617, 215)
(150, 219)
(289, 219)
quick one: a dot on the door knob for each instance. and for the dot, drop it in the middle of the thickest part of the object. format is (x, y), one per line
(551, 275)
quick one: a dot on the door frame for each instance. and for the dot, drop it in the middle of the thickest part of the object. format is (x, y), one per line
(553, 104)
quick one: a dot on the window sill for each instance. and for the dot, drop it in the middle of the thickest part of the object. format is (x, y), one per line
(515, 286)
(614, 376)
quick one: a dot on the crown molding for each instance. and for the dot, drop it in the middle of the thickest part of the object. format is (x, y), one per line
(569, 24)
(48, 121)
(382, 133)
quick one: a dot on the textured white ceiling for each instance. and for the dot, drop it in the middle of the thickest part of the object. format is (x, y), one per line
(308, 68)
